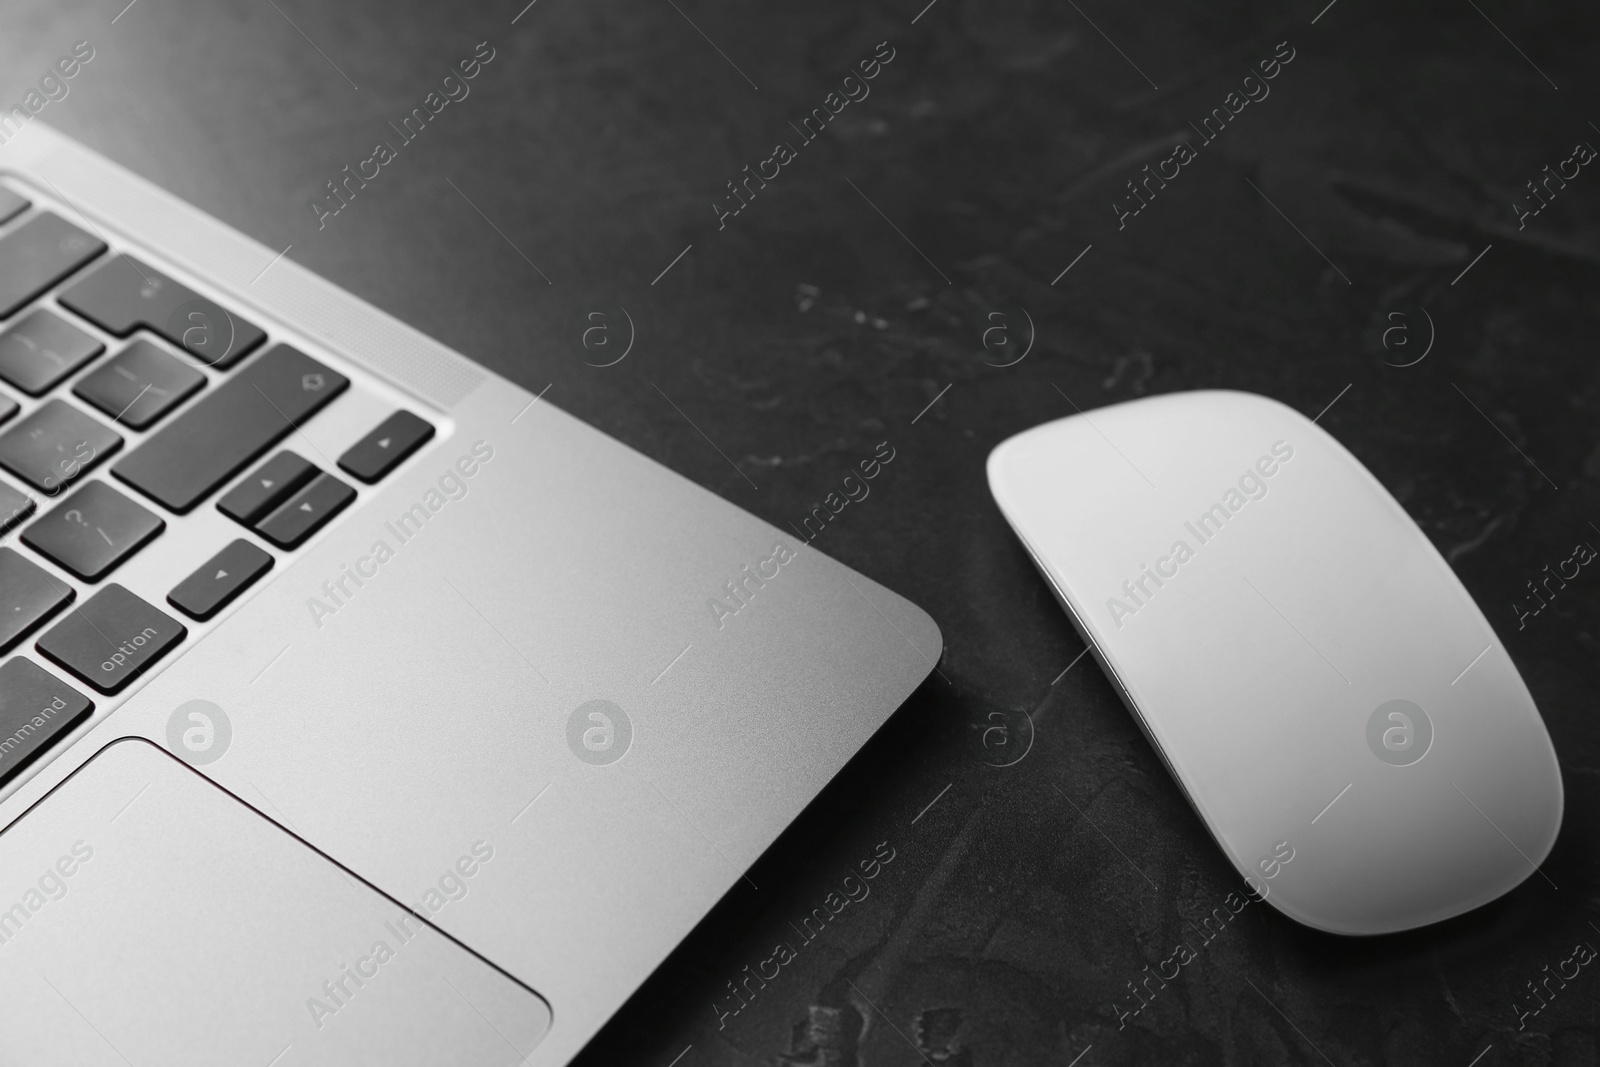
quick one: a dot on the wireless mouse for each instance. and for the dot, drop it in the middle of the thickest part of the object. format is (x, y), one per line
(1313, 674)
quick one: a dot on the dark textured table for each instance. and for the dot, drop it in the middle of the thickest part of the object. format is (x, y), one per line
(878, 282)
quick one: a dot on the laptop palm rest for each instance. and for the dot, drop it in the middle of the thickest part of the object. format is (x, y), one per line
(153, 918)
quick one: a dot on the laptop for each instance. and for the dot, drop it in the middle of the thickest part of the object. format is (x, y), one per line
(358, 705)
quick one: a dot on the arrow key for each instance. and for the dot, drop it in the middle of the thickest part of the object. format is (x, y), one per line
(381, 451)
(304, 513)
(217, 581)
(266, 487)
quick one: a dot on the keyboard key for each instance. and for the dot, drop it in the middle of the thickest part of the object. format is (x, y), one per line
(381, 451)
(304, 513)
(15, 505)
(10, 204)
(37, 709)
(8, 408)
(220, 579)
(111, 639)
(215, 439)
(43, 348)
(29, 594)
(125, 293)
(92, 531)
(39, 253)
(54, 445)
(266, 487)
(139, 385)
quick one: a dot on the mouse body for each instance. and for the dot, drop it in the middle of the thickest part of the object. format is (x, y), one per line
(1314, 675)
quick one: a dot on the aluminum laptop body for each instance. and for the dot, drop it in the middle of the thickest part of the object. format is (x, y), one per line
(458, 772)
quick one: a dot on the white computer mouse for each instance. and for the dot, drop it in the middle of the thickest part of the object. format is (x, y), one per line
(1312, 672)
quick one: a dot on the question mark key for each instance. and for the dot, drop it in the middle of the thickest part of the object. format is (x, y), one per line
(92, 531)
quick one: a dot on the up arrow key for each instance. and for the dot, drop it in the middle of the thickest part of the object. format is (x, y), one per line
(266, 487)
(220, 575)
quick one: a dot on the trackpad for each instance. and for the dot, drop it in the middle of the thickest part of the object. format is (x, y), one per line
(146, 916)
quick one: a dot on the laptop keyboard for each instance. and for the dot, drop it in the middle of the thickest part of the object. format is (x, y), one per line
(87, 500)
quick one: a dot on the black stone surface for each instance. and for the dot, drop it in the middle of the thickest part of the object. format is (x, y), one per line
(854, 292)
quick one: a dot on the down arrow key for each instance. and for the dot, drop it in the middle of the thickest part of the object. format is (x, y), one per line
(306, 512)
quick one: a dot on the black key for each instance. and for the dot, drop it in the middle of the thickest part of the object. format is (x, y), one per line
(39, 253)
(220, 579)
(10, 204)
(266, 487)
(304, 513)
(111, 639)
(37, 709)
(381, 451)
(54, 445)
(29, 594)
(126, 293)
(139, 385)
(15, 506)
(43, 348)
(92, 531)
(215, 439)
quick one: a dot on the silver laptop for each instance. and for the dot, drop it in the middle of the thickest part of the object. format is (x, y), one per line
(357, 705)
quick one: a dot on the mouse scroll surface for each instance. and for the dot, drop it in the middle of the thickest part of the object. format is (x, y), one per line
(1327, 693)
(153, 918)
